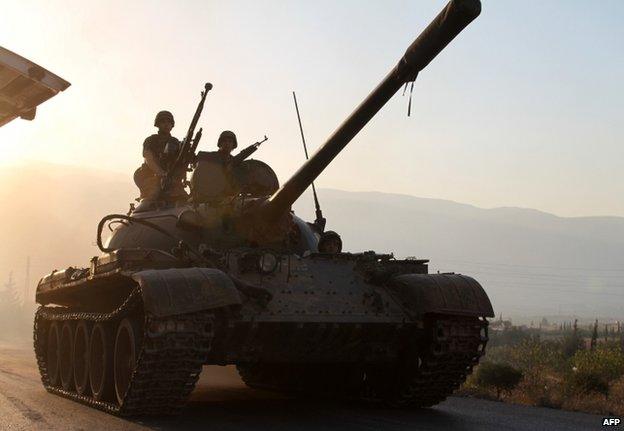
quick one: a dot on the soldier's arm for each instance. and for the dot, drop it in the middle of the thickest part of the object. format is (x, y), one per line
(152, 163)
(151, 160)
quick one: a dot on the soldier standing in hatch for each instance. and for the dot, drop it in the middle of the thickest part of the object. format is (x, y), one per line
(159, 151)
(227, 143)
(330, 242)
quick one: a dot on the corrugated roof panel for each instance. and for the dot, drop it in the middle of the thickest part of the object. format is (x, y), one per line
(24, 85)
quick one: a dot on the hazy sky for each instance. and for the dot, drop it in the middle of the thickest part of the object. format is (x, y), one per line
(525, 108)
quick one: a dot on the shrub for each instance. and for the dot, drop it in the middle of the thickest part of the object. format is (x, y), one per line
(607, 363)
(594, 370)
(543, 391)
(502, 377)
(587, 381)
(571, 344)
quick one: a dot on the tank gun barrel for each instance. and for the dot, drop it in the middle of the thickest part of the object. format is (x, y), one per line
(449, 23)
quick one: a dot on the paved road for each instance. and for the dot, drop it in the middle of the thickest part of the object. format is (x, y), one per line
(222, 402)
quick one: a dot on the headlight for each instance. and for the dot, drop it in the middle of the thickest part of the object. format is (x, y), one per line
(267, 263)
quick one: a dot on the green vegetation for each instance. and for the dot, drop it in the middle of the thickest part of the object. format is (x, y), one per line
(501, 377)
(573, 369)
(595, 370)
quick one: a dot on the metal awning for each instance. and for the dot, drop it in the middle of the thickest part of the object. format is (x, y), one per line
(23, 86)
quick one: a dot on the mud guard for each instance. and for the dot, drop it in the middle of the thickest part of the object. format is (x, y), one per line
(442, 293)
(185, 290)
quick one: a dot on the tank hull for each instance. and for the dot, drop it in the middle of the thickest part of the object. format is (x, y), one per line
(344, 325)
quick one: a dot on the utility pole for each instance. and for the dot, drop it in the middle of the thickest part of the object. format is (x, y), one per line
(10, 292)
(8, 286)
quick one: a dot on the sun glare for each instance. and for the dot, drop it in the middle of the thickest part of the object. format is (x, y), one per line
(14, 151)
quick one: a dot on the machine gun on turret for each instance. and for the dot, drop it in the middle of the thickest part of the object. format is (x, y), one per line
(186, 154)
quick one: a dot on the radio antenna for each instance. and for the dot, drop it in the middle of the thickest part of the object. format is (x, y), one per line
(320, 220)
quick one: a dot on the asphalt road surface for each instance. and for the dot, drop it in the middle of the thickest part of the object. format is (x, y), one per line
(222, 402)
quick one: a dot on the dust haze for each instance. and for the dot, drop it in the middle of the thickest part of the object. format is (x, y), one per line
(532, 264)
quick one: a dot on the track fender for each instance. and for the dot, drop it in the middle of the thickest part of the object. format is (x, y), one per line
(442, 293)
(185, 290)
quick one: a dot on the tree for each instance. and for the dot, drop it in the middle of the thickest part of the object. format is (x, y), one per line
(588, 381)
(572, 342)
(594, 337)
(502, 377)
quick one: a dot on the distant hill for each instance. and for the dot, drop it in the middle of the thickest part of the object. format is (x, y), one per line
(530, 262)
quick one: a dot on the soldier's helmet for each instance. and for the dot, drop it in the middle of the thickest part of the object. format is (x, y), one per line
(330, 242)
(227, 134)
(163, 115)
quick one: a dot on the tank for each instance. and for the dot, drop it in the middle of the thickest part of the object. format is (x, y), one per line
(231, 276)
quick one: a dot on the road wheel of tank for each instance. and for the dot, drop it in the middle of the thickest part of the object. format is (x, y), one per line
(101, 362)
(126, 355)
(53, 354)
(81, 357)
(66, 363)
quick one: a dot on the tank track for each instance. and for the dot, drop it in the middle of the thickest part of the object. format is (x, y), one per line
(168, 364)
(454, 345)
(424, 377)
